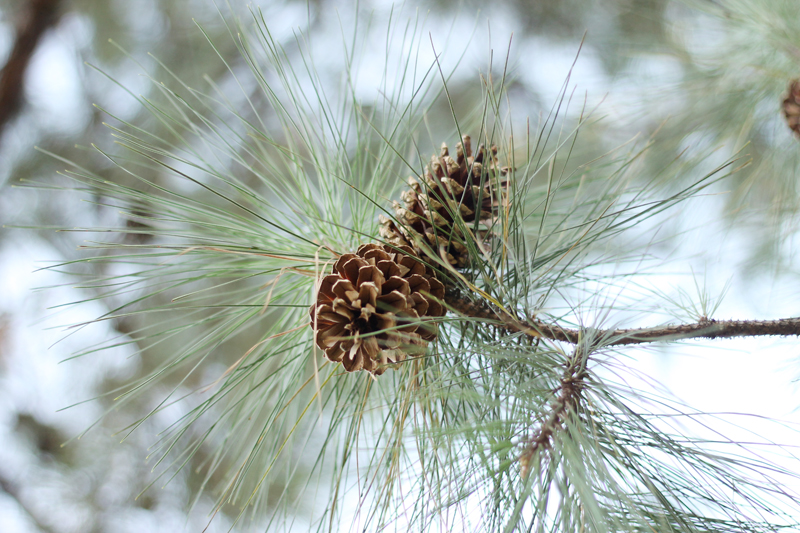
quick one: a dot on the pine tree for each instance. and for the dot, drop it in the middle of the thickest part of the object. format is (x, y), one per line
(505, 409)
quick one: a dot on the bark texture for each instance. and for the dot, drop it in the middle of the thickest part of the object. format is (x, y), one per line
(704, 329)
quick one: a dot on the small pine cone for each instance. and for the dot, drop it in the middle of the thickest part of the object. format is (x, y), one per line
(371, 310)
(791, 107)
(450, 189)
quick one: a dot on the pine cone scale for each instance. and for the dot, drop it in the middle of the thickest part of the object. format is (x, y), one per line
(394, 301)
(343, 288)
(397, 284)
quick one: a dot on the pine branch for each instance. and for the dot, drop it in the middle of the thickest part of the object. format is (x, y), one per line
(569, 394)
(704, 329)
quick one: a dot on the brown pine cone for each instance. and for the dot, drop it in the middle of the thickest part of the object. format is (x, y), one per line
(451, 188)
(371, 310)
(791, 107)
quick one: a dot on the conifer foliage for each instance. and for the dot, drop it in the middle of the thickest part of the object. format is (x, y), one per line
(272, 242)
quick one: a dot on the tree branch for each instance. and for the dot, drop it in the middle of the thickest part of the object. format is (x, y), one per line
(568, 395)
(36, 19)
(704, 329)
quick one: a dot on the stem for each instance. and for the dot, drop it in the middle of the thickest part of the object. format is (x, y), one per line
(704, 329)
(568, 395)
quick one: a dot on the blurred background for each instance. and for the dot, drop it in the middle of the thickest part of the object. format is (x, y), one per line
(704, 80)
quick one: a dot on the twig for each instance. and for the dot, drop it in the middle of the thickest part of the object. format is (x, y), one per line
(568, 395)
(704, 329)
(38, 16)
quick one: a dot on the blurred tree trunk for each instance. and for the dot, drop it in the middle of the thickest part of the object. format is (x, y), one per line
(34, 20)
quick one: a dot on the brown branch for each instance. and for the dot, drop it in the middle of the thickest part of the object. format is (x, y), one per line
(705, 329)
(568, 395)
(35, 20)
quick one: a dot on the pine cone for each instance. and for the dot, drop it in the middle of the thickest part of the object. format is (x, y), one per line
(791, 107)
(451, 188)
(368, 311)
